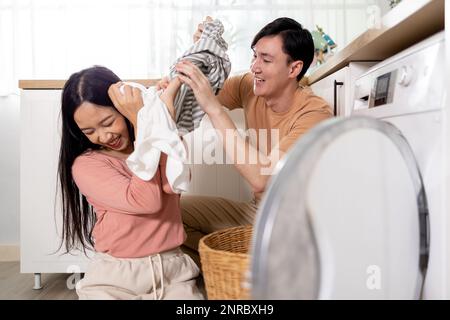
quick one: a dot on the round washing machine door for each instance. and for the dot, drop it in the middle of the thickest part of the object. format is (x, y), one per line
(344, 217)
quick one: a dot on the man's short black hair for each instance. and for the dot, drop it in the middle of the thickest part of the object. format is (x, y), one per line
(297, 41)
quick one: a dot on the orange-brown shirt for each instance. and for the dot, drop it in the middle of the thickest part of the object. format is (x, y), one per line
(306, 111)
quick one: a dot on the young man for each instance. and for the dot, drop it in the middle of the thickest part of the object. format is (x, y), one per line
(274, 103)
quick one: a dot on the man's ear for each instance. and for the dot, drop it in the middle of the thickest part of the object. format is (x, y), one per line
(295, 68)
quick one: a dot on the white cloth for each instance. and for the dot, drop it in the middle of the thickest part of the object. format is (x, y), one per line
(157, 132)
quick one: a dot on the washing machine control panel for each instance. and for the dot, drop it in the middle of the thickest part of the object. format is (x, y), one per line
(411, 81)
(383, 89)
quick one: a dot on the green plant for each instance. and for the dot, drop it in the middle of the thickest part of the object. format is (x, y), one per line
(393, 3)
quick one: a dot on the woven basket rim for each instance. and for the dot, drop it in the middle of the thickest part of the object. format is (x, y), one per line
(221, 251)
(227, 253)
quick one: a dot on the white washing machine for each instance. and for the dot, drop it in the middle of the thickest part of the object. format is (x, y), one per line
(356, 208)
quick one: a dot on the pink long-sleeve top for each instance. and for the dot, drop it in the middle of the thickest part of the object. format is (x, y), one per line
(135, 218)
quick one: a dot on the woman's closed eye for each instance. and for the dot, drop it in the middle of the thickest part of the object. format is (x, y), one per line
(108, 124)
(88, 132)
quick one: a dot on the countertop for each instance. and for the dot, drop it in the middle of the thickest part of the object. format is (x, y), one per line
(408, 23)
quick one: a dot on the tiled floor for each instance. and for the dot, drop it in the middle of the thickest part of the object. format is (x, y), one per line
(19, 286)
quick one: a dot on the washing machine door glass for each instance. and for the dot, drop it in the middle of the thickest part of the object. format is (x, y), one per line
(344, 218)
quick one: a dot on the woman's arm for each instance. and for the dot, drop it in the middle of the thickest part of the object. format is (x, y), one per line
(109, 188)
(169, 94)
(130, 102)
(165, 183)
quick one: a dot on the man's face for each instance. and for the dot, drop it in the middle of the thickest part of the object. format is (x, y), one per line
(270, 67)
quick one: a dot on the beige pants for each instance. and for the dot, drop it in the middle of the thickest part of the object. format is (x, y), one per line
(169, 275)
(203, 215)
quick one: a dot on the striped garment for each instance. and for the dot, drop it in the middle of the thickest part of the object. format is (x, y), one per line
(209, 54)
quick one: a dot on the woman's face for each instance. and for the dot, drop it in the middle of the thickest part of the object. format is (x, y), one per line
(104, 126)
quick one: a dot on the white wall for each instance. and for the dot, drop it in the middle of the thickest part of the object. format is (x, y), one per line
(9, 170)
(384, 6)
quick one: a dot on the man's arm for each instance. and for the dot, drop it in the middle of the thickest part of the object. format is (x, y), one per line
(252, 164)
(237, 148)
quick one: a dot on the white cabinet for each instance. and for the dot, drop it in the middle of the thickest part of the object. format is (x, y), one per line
(40, 209)
(337, 89)
(40, 213)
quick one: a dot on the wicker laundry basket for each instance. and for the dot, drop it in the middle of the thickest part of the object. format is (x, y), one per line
(225, 259)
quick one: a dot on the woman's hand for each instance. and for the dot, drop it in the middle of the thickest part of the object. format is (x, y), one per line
(162, 84)
(129, 103)
(191, 75)
(169, 94)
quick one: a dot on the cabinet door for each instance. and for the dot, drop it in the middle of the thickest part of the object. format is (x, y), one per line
(338, 88)
(355, 70)
(332, 90)
(40, 210)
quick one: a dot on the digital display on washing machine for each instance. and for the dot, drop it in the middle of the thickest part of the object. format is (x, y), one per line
(382, 90)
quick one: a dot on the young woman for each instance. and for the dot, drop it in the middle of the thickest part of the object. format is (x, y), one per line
(134, 225)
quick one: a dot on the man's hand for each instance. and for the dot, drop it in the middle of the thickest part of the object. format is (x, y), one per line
(200, 28)
(129, 103)
(191, 75)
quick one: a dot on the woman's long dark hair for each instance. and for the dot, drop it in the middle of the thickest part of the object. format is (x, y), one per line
(89, 85)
